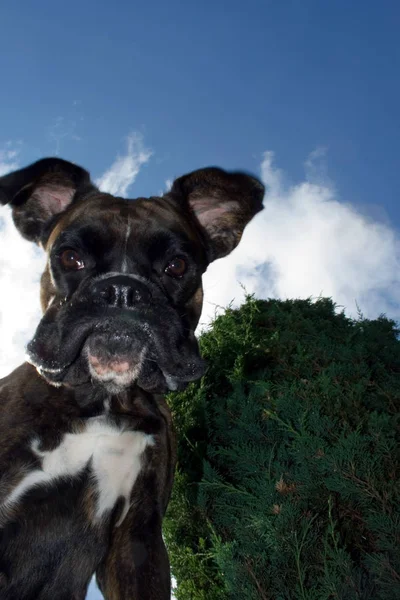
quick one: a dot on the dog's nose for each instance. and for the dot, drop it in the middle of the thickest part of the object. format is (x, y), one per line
(121, 291)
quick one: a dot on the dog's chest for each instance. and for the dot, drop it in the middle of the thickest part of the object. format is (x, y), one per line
(113, 455)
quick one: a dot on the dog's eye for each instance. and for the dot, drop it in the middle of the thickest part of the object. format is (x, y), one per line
(176, 267)
(71, 260)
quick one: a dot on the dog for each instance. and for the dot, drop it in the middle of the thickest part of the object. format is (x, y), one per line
(87, 451)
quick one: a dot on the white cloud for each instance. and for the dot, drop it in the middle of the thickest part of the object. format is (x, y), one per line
(61, 130)
(308, 243)
(20, 266)
(123, 172)
(8, 159)
(315, 168)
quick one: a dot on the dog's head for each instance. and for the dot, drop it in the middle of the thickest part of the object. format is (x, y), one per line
(121, 292)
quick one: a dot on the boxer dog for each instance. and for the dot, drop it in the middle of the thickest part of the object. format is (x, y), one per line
(86, 445)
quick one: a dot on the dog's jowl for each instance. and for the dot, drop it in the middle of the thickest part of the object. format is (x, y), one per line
(86, 444)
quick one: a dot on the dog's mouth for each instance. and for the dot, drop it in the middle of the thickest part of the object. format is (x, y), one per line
(111, 363)
(115, 353)
(118, 360)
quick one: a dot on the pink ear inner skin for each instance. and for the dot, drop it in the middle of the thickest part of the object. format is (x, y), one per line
(53, 199)
(207, 215)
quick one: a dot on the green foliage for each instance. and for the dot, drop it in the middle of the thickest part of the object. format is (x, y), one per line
(289, 459)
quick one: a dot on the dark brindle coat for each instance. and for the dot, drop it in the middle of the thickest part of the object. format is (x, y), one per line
(86, 451)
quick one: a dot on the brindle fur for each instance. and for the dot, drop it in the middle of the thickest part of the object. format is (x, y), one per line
(51, 542)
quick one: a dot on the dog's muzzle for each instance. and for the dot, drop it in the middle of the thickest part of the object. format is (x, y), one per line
(118, 329)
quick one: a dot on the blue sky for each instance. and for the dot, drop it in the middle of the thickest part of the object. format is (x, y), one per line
(209, 83)
(304, 93)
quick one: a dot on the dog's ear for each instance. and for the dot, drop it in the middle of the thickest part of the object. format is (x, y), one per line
(41, 191)
(222, 203)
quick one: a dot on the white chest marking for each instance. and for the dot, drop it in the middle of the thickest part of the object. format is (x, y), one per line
(115, 457)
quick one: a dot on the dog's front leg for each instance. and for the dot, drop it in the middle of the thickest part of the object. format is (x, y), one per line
(136, 566)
